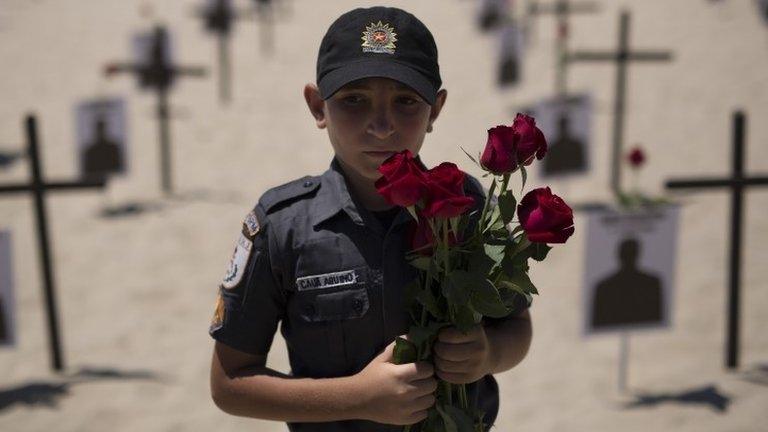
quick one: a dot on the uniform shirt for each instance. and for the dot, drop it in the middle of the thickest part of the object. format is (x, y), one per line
(313, 259)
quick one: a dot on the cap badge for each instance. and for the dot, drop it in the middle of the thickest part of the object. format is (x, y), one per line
(379, 38)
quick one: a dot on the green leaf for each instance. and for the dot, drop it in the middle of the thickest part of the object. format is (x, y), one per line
(486, 300)
(471, 157)
(404, 352)
(524, 175)
(457, 287)
(428, 300)
(520, 282)
(418, 334)
(422, 263)
(480, 263)
(462, 421)
(507, 206)
(465, 317)
(412, 211)
(412, 290)
(539, 251)
(495, 252)
(450, 424)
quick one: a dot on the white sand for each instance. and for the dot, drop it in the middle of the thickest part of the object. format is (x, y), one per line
(136, 293)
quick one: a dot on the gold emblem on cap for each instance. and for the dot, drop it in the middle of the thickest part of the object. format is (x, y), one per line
(379, 38)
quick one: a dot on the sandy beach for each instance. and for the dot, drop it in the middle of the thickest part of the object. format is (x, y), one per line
(136, 291)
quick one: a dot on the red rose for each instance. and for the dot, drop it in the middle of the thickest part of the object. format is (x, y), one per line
(499, 154)
(446, 198)
(530, 140)
(636, 157)
(403, 183)
(545, 217)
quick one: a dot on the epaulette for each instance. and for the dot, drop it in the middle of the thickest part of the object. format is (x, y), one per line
(288, 192)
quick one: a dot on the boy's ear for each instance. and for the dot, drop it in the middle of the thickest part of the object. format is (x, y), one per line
(316, 104)
(442, 95)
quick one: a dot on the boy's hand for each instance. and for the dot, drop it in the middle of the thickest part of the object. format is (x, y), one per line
(396, 394)
(462, 358)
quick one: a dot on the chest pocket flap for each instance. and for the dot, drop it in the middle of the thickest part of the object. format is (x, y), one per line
(340, 305)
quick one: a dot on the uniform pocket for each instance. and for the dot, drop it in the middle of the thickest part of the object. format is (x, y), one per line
(334, 306)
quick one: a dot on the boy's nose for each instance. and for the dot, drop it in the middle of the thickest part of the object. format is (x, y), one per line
(381, 125)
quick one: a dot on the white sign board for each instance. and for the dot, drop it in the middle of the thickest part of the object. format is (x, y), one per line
(566, 125)
(629, 269)
(101, 137)
(7, 302)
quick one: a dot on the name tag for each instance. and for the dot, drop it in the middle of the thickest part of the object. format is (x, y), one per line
(328, 280)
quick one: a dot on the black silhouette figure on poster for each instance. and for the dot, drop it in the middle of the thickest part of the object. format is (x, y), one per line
(566, 152)
(103, 156)
(628, 296)
(763, 6)
(509, 64)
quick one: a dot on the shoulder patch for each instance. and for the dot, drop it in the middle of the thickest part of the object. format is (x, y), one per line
(238, 262)
(251, 224)
(288, 192)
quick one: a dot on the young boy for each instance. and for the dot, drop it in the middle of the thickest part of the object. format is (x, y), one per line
(326, 256)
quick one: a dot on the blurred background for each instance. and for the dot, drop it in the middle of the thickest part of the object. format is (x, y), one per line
(137, 262)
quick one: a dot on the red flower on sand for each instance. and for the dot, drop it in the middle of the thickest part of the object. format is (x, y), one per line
(636, 157)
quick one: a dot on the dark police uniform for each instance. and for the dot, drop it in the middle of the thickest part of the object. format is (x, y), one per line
(325, 267)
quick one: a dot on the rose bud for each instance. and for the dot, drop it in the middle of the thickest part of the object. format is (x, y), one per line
(499, 154)
(545, 217)
(530, 139)
(636, 157)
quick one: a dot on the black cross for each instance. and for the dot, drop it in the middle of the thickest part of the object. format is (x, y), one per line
(219, 18)
(265, 11)
(737, 183)
(622, 56)
(38, 187)
(562, 9)
(158, 75)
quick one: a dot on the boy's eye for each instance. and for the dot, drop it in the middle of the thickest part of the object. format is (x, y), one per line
(353, 99)
(407, 100)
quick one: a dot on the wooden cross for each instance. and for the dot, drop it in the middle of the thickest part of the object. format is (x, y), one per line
(737, 183)
(621, 57)
(219, 17)
(158, 75)
(38, 188)
(562, 9)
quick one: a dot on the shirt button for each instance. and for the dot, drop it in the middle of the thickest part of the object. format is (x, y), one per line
(357, 304)
(308, 183)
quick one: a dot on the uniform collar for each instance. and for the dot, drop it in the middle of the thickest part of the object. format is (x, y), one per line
(334, 197)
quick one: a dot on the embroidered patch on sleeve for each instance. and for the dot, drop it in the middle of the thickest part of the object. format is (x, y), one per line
(251, 224)
(218, 314)
(238, 262)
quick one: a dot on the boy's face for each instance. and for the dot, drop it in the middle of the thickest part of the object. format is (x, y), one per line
(370, 119)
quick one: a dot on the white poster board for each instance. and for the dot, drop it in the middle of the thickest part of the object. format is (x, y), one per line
(630, 269)
(102, 137)
(7, 301)
(511, 47)
(566, 126)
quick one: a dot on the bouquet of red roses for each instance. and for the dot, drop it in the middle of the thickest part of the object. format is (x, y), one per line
(473, 260)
